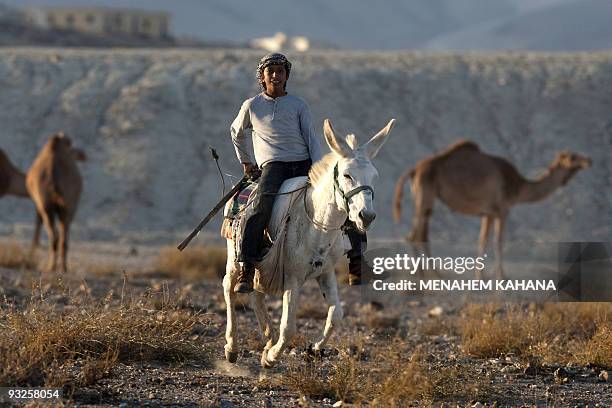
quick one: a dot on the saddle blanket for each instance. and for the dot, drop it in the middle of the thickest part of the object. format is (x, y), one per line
(269, 276)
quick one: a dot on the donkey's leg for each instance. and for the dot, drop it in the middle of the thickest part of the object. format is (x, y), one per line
(231, 349)
(269, 357)
(329, 289)
(263, 318)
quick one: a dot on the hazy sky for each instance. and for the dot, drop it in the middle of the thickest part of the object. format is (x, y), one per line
(389, 24)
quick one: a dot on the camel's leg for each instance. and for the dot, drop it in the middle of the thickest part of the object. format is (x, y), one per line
(329, 289)
(263, 318)
(500, 223)
(287, 327)
(423, 208)
(64, 230)
(231, 349)
(48, 218)
(36, 238)
(485, 228)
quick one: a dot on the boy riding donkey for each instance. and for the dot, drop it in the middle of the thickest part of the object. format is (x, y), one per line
(285, 146)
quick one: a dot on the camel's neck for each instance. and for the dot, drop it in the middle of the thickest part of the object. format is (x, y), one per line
(18, 185)
(539, 189)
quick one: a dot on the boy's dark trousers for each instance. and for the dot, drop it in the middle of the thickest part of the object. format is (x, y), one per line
(272, 177)
(359, 243)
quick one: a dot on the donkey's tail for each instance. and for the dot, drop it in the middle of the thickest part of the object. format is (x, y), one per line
(399, 193)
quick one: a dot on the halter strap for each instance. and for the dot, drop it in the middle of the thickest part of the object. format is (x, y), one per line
(317, 223)
(351, 193)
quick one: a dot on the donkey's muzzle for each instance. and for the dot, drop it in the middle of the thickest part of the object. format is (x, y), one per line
(367, 217)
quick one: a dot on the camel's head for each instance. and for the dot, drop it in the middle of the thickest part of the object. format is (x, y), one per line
(60, 142)
(78, 154)
(571, 163)
(354, 173)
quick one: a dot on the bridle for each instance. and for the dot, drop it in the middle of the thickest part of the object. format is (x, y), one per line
(345, 196)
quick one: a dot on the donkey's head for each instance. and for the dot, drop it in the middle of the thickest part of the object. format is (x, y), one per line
(354, 174)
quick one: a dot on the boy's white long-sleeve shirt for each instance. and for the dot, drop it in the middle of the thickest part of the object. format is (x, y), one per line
(282, 130)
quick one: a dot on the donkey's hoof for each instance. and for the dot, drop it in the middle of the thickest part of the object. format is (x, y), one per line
(265, 362)
(231, 356)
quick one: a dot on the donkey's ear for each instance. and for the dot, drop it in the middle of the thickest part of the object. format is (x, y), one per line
(337, 144)
(372, 147)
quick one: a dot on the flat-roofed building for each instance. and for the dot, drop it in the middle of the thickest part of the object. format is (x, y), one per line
(102, 20)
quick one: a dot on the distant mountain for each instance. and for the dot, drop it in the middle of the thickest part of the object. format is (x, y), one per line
(392, 24)
(147, 117)
(569, 26)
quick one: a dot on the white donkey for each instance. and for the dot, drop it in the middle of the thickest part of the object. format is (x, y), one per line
(341, 186)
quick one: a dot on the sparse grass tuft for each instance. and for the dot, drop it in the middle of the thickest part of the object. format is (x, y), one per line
(13, 256)
(410, 379)
(197, 262)
(557, 333)
(488, 331)
(341, 381)
(598, 349)
(387, 379)
(39, 346)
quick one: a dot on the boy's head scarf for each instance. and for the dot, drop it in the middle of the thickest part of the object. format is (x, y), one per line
(272, 59)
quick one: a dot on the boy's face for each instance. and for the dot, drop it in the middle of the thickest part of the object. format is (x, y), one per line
(275, 78)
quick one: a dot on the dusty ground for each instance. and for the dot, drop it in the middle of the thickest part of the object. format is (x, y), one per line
(367, 334)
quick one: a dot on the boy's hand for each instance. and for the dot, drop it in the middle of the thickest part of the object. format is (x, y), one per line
(249, 169)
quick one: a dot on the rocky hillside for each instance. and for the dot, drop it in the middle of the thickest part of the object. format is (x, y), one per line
(147, 118)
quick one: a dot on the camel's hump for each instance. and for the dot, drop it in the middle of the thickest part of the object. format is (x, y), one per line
(463, 144)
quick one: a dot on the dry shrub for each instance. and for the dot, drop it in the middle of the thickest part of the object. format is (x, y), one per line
(557, 333)
(488, 331)
(342, 381)
(598, 349)
(41, 347)
(409, 379)
(13, 256)
(387, 379)
(197, 262)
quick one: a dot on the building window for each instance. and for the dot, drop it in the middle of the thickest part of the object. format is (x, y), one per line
(90, 18)
(146, 24)
(70, 20)
(51, 19)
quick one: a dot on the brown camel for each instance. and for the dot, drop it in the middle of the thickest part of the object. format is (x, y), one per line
(472, 182)
(54, 183)
(12, 180)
